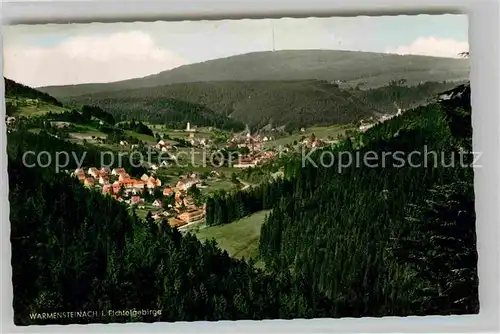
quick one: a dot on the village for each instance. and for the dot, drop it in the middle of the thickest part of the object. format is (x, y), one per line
(176, 202)
(171, 202)
(175, 199)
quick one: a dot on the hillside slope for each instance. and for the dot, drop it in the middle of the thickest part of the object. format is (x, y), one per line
(372, 69)
(391, 236)
(258, 103)
(26, 101)
(15, 89)
(22, 100)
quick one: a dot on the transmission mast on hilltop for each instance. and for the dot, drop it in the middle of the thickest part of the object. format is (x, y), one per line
(273, 40)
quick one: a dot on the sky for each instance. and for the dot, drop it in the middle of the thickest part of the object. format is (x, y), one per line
(64, 54)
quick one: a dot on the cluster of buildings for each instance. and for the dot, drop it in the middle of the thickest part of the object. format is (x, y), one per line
(163, 146)
(202, 142)
(312, 142)
(253, 143)
(124, 188)
(255, 159)
(113, 181)
(185, 209)
(198, 141)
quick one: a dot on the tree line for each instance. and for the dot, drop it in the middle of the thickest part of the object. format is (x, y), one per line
(16, 89)
(22, 141)
(293, 104)
(136, 126)
(170, 112)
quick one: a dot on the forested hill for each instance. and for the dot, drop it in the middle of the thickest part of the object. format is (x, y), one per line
(372, 69)
(22, 140)
(387, 237)
(168, 111)
(14, 89)
(259, 103)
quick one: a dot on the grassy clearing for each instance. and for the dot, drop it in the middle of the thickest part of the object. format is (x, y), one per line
(321, 132)
(202, 133)
(240, 238)
(38, 110)
(177, 170)
(171, 177)
(142, 210)
(140, 136)
(82, 132)
(215, 185)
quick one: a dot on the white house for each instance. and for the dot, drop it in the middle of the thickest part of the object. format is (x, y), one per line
(187, 183)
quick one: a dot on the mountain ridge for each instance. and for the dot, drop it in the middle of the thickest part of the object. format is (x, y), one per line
(356, 67)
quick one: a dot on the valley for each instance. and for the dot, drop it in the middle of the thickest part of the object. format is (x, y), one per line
(192, 195)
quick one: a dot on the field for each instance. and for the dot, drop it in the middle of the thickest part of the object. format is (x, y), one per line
(170, 175)
(140, 136)
(215, 185)
(38, 109)
(143, 209)
(240, 238)
(321, 132)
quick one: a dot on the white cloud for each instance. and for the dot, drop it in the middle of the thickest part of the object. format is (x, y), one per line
(432, 46)
(85, 59)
